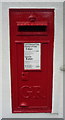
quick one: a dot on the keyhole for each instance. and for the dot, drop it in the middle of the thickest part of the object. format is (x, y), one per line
(23, 74)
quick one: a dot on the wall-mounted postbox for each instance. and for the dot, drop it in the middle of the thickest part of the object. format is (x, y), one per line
(31, 56)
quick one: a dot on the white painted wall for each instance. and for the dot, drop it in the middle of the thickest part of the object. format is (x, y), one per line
(58, 61)
(0, 60)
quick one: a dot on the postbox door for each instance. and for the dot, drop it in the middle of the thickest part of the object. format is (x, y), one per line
(31, 56)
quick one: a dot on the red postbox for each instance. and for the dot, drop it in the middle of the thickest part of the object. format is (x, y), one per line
(31, 58)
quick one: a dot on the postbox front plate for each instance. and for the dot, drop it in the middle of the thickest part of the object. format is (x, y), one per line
(31, 58)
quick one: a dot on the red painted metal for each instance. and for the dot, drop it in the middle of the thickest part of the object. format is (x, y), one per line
(31, 89)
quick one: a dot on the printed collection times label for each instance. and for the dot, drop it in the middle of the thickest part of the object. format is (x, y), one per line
(32, 54)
